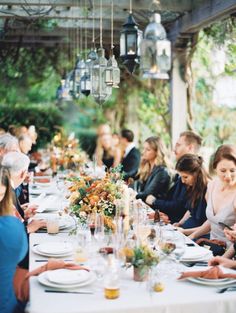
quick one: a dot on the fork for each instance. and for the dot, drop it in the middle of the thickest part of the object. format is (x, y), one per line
(230, 288)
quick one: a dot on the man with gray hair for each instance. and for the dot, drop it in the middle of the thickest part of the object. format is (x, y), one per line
(18, 164)
(8, 143)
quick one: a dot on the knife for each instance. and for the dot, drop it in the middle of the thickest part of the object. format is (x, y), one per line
(86, 292)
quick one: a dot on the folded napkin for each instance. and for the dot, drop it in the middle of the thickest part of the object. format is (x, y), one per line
(21, 278)
(214, 272)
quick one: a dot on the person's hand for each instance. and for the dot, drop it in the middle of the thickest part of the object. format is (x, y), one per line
(34, 225)
(150, 199)
(29, 210)
(220, 260)
(230, 234)
(164, 217)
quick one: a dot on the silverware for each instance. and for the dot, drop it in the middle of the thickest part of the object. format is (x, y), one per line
(190, 263)
(66, 260)
(86, 292)
(229, 288)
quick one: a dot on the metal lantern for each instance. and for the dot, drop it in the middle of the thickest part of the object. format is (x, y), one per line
(85, 81)
(129, 43)
(100, 91)
(79, 72)
(112, 73)
(155, 50)
(85, 84)
(66, 87)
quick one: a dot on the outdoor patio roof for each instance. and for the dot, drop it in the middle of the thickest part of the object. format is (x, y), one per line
(21, 21)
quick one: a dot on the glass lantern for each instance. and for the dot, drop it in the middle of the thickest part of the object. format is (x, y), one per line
(100, 91)
(112, 77)
(78, 73)
(155, 50)
(129, 43)
(85, 84)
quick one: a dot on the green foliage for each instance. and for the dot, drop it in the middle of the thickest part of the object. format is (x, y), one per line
(45, 117)
(213, 121)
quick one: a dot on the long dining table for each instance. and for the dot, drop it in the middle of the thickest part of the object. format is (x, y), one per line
(178, 296)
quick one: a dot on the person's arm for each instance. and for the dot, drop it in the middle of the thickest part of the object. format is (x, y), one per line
(221, 260)
(158, 185)
(183, 219)
(117, 157)
(198, 231)
(229, 253)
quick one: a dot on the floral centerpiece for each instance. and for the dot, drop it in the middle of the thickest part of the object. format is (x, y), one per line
(66, 152)
(142, 257)
(90, 196)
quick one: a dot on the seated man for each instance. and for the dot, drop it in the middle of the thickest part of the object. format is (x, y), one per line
(131, 158)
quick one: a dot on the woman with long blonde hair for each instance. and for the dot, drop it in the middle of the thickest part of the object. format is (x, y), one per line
(13, 244)
(153, 174)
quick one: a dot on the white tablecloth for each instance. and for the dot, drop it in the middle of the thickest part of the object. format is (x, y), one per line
(178, 296)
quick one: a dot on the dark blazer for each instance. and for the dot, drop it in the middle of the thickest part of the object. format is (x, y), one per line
(157, 184)
(131, 163)
(174, 204)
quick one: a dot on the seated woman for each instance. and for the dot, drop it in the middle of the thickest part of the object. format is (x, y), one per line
(106, 152)
(231, 252)
(153, 174)
(195, 178)
(13, 245)
(220, 196)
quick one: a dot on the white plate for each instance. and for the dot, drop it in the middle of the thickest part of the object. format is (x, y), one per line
(42, 278)
(55, 248)
(50, 255)
(212, 282)
(67, 277)
(195, 253)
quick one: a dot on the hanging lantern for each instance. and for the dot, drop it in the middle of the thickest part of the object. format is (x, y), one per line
(79, 72)
(129, 43)
(85, 84)
(155, 50)
(66, 87)
(100, 91)
(112, 73)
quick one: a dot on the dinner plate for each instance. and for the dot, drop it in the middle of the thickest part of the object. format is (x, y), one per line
(195, 254)
(67, 277)
(42, 278)
(50, 255)
(212, 282)
(55, 248)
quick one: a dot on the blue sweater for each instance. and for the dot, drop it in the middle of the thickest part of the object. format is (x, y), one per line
(13, 247)
(174, 204)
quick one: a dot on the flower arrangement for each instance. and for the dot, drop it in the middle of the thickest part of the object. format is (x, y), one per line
(142, 257)
(90, 196)
(66, 153)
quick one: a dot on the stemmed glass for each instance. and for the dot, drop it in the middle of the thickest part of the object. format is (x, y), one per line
(99, 233)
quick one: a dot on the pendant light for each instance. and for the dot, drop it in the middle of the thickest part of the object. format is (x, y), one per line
(155, 50)
(100, 91)
(130, 41)
(86, 80)
(112, 72)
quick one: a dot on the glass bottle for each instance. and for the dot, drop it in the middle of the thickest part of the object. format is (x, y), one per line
(112, 280)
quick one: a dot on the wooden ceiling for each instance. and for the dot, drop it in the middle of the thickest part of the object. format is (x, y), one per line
(56, 23)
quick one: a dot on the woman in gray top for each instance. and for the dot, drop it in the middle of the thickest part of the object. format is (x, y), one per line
(220, 196)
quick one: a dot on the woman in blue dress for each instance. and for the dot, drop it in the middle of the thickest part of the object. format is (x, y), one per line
(13, 245)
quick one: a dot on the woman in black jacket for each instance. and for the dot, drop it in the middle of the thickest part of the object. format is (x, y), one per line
(153, 175)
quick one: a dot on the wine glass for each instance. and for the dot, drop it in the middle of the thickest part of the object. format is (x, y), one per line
(99, 233)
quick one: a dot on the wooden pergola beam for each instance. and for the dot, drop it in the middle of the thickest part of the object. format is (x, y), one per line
(172, 5)
(210, 11)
